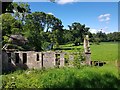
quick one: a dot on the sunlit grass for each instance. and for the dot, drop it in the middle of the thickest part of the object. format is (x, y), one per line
(85, 77)
(106, 51)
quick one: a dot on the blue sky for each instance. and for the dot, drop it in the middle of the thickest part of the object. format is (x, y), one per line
(96, 14)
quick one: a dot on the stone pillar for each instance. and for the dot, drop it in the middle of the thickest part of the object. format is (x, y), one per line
(71, 60)
(71, 57)
(62, 60)
(54, 59)
(13, 58)
(85, 46)
(40, 59)
(30, 59)
(87, 50)
(20, 58)
(88, 58)
(4, 61)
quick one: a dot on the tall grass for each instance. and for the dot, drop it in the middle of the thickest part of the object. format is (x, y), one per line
(85, 77)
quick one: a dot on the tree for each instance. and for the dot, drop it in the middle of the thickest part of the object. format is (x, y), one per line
(6, 5)
(78, 30)
(57, 32)
(9, 7)
(67, 36)
(36, 24)
(102, 36)
(33, 30)
(12, 25)
(115, 36)
(9, 26)
(21, 10)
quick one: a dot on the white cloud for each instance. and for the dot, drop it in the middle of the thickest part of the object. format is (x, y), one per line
(100, 16)
(101, 30)
(107, 18)
(66, 1)
(106, 15)
(104, 30)
(93, 30)
(50, 13)
(104, 18)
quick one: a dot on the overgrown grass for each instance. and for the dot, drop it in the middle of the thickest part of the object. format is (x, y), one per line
(85, 77)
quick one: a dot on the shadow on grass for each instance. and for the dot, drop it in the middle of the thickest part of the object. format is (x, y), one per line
(96, 81)
(64, 79)
(63, 49)
(66, 48)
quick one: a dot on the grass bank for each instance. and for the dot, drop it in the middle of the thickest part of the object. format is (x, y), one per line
(85, 77)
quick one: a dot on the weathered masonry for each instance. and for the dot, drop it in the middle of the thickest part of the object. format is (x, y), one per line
(32, 59)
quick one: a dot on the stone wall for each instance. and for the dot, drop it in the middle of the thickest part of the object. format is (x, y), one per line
(31, 59)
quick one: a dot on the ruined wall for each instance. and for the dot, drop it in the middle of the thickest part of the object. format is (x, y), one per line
(31, 59)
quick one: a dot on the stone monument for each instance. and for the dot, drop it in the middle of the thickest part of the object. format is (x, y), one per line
(87, 51)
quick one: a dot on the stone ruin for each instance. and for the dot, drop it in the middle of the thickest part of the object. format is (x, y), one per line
(32, 59)
(87, 54)
(11, 60)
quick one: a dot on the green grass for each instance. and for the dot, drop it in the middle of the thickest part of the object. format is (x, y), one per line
(85, 77)
(106, 51)
(70, 48)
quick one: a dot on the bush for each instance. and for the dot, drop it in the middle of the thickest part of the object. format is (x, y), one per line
(96, 41)
(78, 58)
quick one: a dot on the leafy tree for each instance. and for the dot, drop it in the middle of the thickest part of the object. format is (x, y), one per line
(9, 7)
(33, 30)
(57, 33)
(102, 36)
(21, 10)
(78, 30)
(115, 36)
(39, 28)
(67, 36)
(5, 6)
(7, 20)
(9, 26)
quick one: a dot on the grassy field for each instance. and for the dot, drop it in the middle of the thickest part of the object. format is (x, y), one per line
(85, 77)
(106, 51)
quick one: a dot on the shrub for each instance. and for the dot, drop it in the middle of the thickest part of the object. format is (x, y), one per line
(78, 58)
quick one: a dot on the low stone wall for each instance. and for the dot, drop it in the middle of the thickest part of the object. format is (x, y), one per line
(31, 59)
(97, 63)
(12, 60)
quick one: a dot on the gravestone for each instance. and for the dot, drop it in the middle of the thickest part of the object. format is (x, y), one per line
(87, 51)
